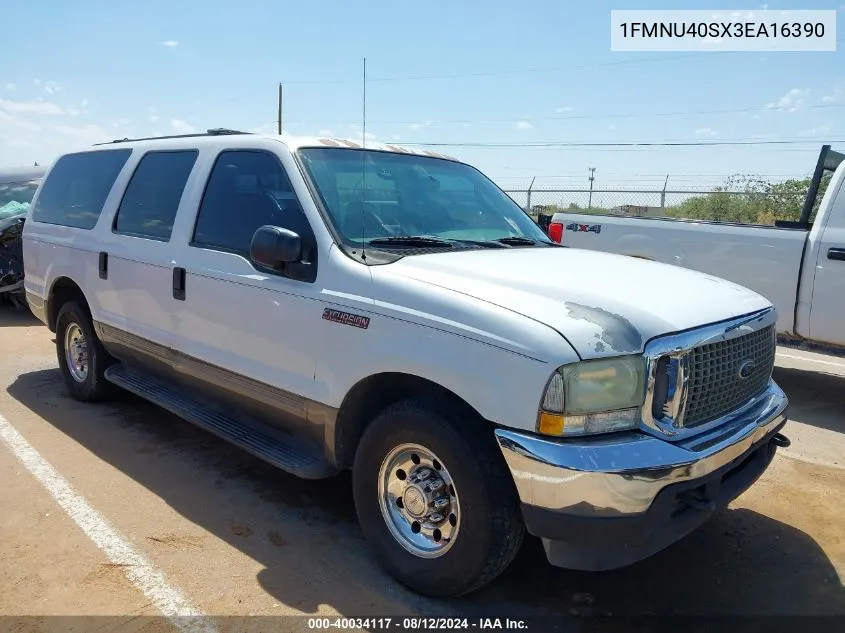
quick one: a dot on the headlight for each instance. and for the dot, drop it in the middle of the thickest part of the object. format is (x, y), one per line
(596, 396)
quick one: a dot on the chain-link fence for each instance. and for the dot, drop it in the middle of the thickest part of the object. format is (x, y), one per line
(747, 207)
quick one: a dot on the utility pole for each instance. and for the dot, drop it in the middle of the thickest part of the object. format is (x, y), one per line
(592, 178)
(280, 109)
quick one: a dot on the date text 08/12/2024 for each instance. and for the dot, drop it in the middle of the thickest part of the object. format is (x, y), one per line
(415, 624)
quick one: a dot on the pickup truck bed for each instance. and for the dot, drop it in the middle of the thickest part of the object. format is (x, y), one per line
(798, 266)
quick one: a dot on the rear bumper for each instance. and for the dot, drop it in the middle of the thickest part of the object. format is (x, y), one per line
(610, 501)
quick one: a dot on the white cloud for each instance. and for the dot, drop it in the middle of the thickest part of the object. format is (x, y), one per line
(72, 111)
(34, 107)
(266, 128)
(9, 122)
(37, 82)
(564, 109)
(705, 131)
(358, 137)
(835, 96)
(182, 127)
(84, 103)
(419, 126)
(52, 87)
(153, 118)
(396, 137)
(612, 126)
(818, 130)
(791, 101)
(524, 125)
(169, 43)
(764, 6)
(10, 86)
(325, 133)
(83, 135)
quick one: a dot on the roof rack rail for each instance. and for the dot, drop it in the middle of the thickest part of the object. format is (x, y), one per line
(219, 131)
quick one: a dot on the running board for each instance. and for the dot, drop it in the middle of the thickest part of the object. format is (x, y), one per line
(271, 445)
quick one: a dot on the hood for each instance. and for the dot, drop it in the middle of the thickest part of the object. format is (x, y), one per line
(603, 304)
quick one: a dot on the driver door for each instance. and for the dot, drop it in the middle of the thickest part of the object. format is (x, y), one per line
(235, 321)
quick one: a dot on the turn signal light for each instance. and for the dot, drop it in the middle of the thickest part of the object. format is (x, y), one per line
(551, 423)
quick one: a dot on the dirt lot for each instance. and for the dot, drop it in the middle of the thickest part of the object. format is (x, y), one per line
(233, 536)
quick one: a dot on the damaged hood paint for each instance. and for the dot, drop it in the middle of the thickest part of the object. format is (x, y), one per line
(603, 304)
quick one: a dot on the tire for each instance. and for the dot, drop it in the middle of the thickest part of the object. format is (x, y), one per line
(93, 386)
(489, 524)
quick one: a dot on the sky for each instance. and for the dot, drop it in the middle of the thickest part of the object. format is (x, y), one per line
(536, 71)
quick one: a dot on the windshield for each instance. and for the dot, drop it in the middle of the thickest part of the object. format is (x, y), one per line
(16, 196)
(373, 195)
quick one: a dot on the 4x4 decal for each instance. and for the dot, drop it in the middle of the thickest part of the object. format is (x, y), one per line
(346, 318)
(583, 228)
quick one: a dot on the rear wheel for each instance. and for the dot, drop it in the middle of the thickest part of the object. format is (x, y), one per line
(82, 358)
(434, 497)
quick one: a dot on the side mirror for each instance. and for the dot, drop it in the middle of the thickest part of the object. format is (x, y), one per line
(273, 247)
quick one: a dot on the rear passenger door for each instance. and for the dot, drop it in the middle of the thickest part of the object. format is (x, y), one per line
(237, 321)
(140, 259)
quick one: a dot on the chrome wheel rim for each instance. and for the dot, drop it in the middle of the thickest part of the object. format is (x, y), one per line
(419, 501)
(76, 352)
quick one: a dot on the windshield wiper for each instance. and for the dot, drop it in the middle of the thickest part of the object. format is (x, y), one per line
(410, 240)
(515, 240)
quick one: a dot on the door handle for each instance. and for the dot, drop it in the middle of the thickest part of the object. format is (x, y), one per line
(179, 283)
(836, 253)
(104, 265)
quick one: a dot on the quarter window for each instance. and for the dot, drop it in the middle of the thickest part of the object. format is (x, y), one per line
(149, 206)
(77, 187)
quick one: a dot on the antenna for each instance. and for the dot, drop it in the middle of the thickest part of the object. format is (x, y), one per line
(364, 161)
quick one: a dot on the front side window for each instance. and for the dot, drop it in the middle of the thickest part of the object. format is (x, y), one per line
(77, 187)
(246, 190)
(373, 195)
(149, 206)
(15, 197)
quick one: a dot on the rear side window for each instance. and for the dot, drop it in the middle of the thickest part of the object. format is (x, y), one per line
(152, 197)
(77, 187)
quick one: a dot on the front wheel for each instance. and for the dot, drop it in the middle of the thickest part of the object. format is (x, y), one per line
(434, 497)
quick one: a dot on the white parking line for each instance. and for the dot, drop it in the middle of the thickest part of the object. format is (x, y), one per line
(137, 567)
(810, 360)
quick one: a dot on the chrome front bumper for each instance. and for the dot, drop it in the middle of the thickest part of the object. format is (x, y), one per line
(615, 479)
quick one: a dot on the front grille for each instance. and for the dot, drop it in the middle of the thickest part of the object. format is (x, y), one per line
(715, 387)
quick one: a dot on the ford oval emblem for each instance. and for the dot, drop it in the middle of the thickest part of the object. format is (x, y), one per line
(746, 368)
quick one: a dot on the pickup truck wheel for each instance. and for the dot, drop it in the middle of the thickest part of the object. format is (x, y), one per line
(82, 358)
(434, 498)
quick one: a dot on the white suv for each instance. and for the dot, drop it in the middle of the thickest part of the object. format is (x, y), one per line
(327, 306)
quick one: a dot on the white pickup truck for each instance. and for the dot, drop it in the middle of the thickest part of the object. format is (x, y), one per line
(798, 266)
(328, 307)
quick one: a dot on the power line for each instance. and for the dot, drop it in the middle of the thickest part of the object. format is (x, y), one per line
(634, 115)
(629, 144)
(515, 71)
(622, 115)
(520, 71)
(489, 73)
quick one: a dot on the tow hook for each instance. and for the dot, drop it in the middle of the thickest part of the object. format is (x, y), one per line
(697, 502)
(780, 440)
